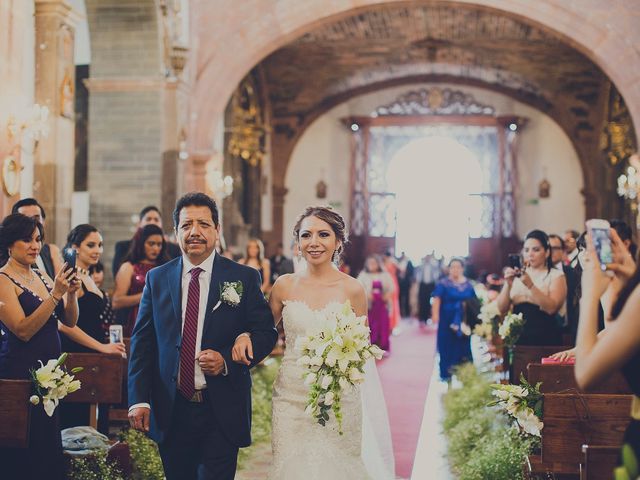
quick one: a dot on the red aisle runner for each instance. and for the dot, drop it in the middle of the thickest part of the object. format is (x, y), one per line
(405, 377)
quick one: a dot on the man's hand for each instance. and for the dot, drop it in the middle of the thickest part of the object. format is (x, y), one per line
(139, 418)
(242, 351)
(211, 362)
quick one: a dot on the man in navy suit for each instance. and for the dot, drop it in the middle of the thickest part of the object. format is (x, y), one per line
(184, 386)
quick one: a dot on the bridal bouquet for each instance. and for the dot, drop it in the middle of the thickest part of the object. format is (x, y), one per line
(52, 383)
(334, 359)
(523, 403)
(511, 328)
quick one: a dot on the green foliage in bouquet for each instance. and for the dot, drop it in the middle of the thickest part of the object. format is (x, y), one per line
(145, 458)
(94, 467)
(263, 377)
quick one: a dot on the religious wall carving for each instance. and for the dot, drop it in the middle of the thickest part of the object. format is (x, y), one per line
(435, 101)
(617, 139)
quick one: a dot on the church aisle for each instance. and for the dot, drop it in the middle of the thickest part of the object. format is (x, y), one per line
(405, 377)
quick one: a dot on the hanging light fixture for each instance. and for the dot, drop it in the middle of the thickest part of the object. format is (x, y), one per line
(221, 186)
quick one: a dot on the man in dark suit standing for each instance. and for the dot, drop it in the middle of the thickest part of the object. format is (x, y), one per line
(184, 386)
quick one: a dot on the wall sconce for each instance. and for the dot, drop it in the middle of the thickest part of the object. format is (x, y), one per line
(183, 154)
(544, 187)
(30, 127)
(221, 186)
(629, 182)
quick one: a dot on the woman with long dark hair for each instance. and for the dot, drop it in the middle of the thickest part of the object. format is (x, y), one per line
(538, 291)
(618, 346)
(88, 335)
(254, 257)
(148, 250)
(30, 309)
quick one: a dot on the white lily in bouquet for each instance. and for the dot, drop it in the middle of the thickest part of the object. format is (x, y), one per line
(523, 404)
(52, 383)
(334, 358)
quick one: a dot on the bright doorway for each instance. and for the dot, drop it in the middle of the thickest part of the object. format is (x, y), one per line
(437, 182)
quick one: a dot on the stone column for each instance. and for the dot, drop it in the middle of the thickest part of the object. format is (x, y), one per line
(55, 22)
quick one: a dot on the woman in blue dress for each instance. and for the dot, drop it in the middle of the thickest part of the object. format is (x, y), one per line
(29, 315)
(454, 345)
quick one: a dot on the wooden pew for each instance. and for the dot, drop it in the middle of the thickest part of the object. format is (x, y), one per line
(574, 420)
(598, 462)
(101, 380)
(557, 378)
(15, 413)
(523, 355)
(118, 413)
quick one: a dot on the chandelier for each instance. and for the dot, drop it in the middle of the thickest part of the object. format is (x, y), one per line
(629, 182)
(221, 186)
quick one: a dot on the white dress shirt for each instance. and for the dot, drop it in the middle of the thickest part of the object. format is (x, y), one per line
(205, 282)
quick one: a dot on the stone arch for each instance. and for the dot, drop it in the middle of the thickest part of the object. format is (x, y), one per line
(604, 32)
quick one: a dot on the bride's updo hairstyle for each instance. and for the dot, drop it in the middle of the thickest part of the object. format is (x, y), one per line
(330, 216)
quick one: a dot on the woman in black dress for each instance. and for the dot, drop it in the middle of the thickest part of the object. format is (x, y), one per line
(29, 316)
(618, 346)
(88, 335)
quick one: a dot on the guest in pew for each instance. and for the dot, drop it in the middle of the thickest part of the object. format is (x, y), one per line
(30, 310)
(254, 257)
(454, 345)
(148, 250)
(108, 316)
(618, 346)
(88, 335)
(538, 291)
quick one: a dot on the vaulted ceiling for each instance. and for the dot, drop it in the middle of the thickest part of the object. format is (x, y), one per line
(463, 43)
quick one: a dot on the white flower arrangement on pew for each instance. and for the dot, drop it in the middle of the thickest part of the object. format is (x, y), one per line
(523, 404)
(52, 383)
(334, 359)
(488, 313)
(511, 328)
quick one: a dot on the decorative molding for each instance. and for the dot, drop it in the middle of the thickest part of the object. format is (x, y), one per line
(129, 84)
(435, 101)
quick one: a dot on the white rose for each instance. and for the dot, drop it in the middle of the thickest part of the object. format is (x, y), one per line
(356, 375)
(327, 380)
(304, 360)
(232, 296)
(328, 398)
(310, 379)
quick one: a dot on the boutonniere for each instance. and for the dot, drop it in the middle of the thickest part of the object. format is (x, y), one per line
(231, 293)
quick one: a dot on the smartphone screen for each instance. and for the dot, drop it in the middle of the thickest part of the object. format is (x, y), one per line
(69, 256)
(602, 243)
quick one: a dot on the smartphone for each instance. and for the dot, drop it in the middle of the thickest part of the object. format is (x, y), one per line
(69, 256)
(514, 260)
(600, 232)
(115, 334)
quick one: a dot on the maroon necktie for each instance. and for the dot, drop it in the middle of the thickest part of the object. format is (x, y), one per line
(189, 335)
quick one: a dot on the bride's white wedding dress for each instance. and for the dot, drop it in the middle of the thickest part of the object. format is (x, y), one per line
(303, 449)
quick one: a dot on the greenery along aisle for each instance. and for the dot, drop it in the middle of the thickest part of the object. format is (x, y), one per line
(263, 377)
(145, 459)
(481, 442)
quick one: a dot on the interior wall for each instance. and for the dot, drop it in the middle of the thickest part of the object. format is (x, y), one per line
(323, 152)
(17, 81)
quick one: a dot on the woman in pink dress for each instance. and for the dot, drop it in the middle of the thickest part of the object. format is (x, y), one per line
(379, 287)
(392, 267)
(148, 250)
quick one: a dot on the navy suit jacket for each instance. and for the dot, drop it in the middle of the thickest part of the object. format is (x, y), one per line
(157, 336)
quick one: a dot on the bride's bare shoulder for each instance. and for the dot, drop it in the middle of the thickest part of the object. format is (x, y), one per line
(351, 285)
(283, 284)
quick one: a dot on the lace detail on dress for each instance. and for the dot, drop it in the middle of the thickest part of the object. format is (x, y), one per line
(301, 447)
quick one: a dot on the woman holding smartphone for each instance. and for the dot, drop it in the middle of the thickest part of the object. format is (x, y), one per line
(88, 335)
(538, 291)
(618, 347)
(31, 305)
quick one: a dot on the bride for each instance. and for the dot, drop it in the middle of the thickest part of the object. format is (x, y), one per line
(301, 447)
